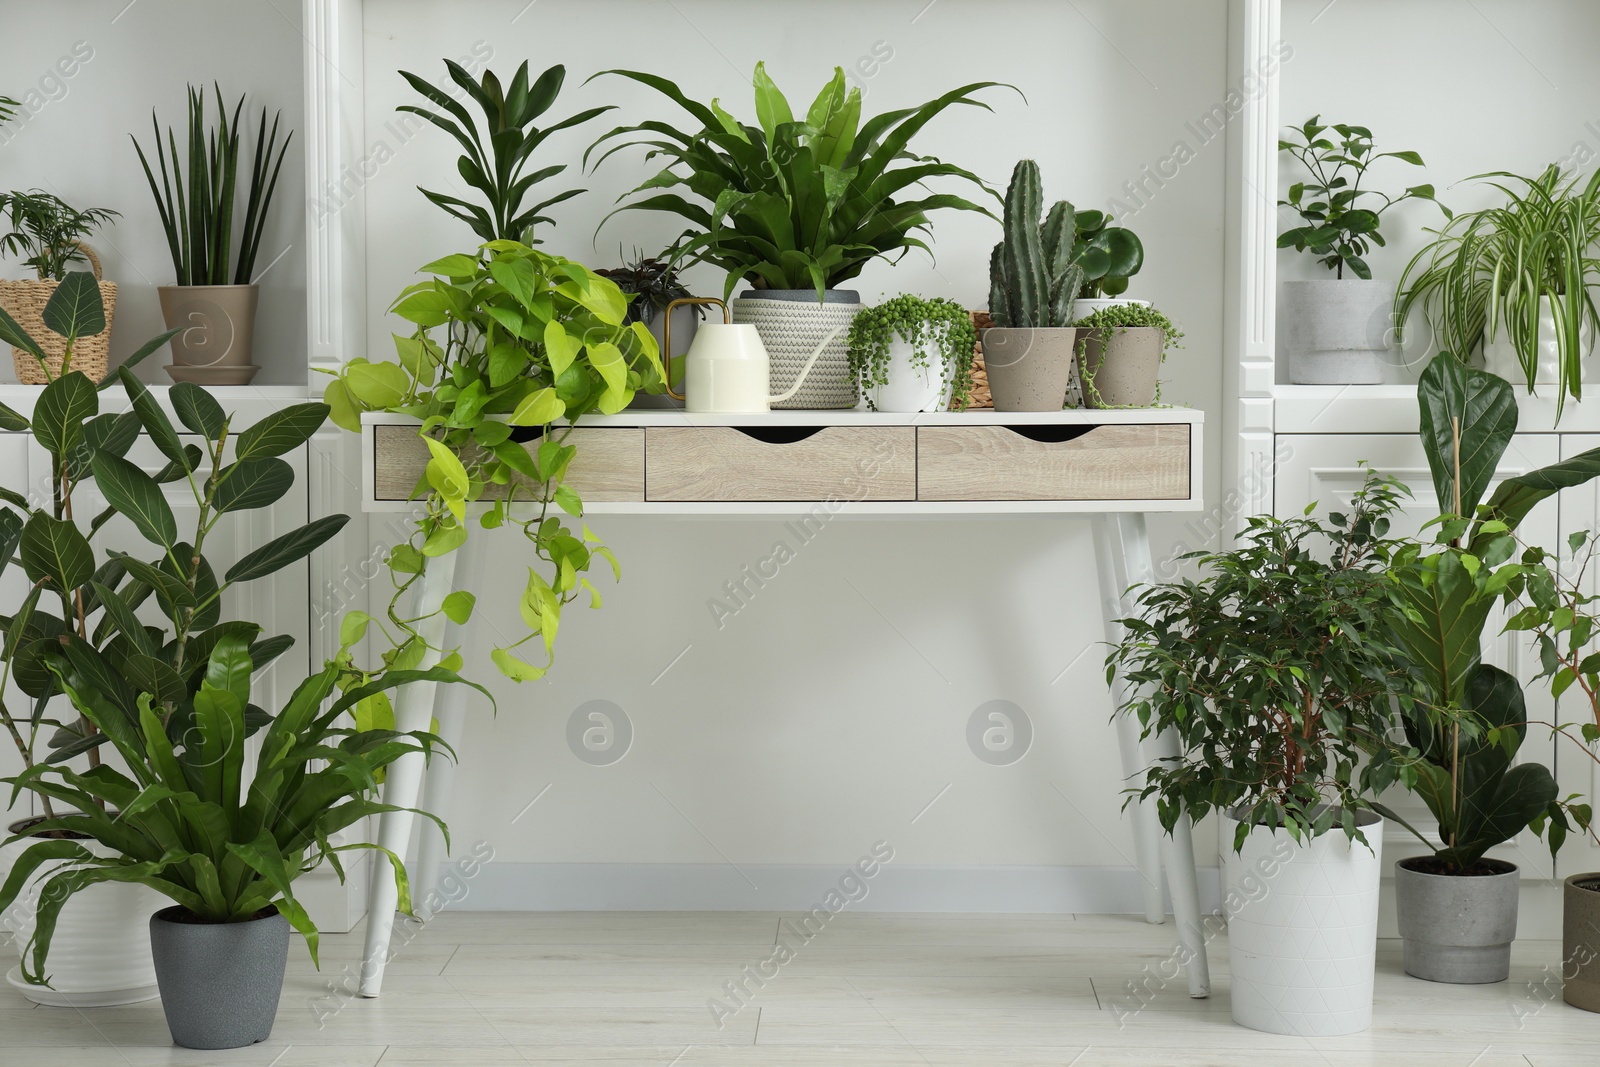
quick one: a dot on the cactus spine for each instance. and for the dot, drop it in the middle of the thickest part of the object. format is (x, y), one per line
(1033, 279)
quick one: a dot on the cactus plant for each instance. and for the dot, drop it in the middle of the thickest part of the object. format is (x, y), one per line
(1034, 275)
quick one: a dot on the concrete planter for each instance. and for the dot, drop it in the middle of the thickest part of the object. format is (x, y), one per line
(1580, 941)
(1457, 928)
(220, 982)
(1029, 369)
(1119, 366)
(1337, 331)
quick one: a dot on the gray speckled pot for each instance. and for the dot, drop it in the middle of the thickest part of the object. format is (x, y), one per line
(1580, 947)
(1029, 369)
(1124, 363)
(220, 982)
(1457, 929)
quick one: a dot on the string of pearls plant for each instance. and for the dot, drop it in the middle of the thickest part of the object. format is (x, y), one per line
(1120, 317)
(933, 328)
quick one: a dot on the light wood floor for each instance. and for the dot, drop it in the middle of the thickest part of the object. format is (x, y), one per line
(631, 990)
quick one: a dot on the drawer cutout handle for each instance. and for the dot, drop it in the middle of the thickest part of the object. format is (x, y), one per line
(1051, 435)
(780, 435)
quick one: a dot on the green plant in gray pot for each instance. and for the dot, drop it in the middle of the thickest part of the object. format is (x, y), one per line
(1120, 352)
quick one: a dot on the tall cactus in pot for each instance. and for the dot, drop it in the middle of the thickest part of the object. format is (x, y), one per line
(1033, 275)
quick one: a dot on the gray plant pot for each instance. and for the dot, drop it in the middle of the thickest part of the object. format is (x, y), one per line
(1457, 928)
(1029, 368)
(685, 324)
(1337, 331)
(1580, 941)
(219, 324)
(1123, 367)
(220, 982)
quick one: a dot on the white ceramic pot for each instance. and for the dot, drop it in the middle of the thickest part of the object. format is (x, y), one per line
(1303, 929)
(100, 953)
(1500, 355)
(912, 388)
(1337, 331)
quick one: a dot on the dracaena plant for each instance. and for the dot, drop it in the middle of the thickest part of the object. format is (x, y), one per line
(498, 148)
(793, 203)
(47, 232)
(184, 818)
(510, 347)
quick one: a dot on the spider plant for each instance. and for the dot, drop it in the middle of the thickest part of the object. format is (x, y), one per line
(48, 231)
(1499, 267)
(793, 203)
(198, 218)
(497, 172)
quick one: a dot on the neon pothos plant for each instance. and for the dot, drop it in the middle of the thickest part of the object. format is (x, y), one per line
(511, 346)
(793, 203)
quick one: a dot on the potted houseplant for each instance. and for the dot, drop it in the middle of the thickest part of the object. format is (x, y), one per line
(1109, 255)
(1337, 329)
(1271, 670)
(1033, 285)
(651, 284)
(909, 354)
(214, 296)
(1512, 282)
(50, 235)
(795, 208)
(1120, 352)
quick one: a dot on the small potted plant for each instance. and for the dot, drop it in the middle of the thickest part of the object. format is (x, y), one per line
(1337, 329)
(1120, 352)
(1109, 255)
(50, 236)
(214, 296)
(651, 284)
(909, 354)
(1271, 670)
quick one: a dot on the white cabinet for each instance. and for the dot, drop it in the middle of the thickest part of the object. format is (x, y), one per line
(1576, 771)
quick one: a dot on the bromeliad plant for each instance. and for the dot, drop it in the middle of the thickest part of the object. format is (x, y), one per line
(1335, 225)
(47, 231)
(1273, 671)
(793, 203)
(510, 348)
(936, 330)
(498, 148)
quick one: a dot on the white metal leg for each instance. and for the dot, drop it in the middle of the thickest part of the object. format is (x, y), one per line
(1123, 550)
(402, 784)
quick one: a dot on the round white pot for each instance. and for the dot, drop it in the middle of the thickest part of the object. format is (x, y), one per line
(1337, 331)
(912, 388)
(100, 953)
(1303, 929)
(1500, 355)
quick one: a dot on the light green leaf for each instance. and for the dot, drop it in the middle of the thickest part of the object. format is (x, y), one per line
(538, 408)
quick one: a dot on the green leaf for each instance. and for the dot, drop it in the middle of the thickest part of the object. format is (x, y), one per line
(75, 310)
(281, 431)
(137, 496)
(1515, 497)
(282, 551)
(251, 484)
(167, 588)
(516, 669)
(154, 420)
(1484, 407)
(12, 420)
(12, 333)
(55, 551)
(539, 408)
(198, 410)
(59, 414)
(458, 606)
(452, 266)
(379, 386)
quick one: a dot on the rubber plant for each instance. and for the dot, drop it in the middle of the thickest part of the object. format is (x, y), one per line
(792, 202)
(509, 348)
(935, 329)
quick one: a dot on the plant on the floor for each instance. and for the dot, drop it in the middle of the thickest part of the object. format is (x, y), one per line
(793, 203)
(1334, 223)
(937, 330)
(198, 218)
(511, 342)
(498, 148)
(1506, 266)
(1034, 277)
(652, 284)
(1109, 255)
(47, 232)
(1273, 671)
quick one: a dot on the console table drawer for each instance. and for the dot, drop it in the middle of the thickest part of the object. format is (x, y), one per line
(1116, 462)
(686, 463)
(609, 465)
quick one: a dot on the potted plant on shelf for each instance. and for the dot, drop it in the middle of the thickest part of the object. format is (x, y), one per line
(1109, 256)
(1512, 282)
(909, 354)
(1338, 329)
(795, 208)
(1120, 352)
(1272, 671)
(651, 284)
(1033, 285)
(214, 297)
(50, 235)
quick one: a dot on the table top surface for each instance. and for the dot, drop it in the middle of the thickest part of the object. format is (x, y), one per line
(853, 417)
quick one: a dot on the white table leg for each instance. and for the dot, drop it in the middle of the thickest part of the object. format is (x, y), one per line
(402, 784)
(1124, 548)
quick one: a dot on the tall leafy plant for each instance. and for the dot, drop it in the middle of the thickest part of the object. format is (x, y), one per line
(47, 232)
(498, 147)
(198, 217)
(792, 202)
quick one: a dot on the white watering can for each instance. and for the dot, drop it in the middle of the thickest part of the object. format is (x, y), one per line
(728, 368)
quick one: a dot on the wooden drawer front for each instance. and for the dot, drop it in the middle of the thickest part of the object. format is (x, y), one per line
(834, 462)
(1000, 463)
(609, 464)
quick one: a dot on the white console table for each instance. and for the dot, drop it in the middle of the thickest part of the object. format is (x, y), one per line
(1113, 466)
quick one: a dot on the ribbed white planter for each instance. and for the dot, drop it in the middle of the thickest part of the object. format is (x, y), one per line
(792, 323)
(912, 388)
(1303, 929)
(1500, 355)
(100, 954)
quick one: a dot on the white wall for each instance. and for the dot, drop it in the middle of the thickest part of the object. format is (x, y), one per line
(73, 141)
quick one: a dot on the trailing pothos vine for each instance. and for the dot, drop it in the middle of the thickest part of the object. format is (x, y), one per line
(935, 328)
(510, 347)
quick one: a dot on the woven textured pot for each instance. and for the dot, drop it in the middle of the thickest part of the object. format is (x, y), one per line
(792, 324)
(220, 982)
(25, 301)
(1457, 928)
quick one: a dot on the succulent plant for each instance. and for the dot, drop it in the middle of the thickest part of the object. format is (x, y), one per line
(1033, 275)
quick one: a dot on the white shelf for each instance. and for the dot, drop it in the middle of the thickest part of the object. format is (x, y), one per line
(1365, 409)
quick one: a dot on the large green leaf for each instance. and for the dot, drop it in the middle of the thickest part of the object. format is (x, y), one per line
(136, 495)
(198, 410)
(140, 354)
(12, 333)
(75, 310)
(282, 551)
(59, 414)
(121, 614)
(1515, 497)
(56, 552)
(252, 483)
(154, 420)
(1483, 407)
(1441, 622)
(281, 431)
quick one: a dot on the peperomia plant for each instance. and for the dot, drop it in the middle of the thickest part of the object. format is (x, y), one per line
(510, 347)
(1334, 225)
(936, 330)
(1109, 255)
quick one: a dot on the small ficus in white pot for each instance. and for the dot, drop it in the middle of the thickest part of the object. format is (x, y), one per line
(909, 354)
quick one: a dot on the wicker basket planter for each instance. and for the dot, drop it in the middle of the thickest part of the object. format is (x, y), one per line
(25, 300)
(792, 324)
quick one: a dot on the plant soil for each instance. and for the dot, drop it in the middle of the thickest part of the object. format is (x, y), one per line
(1592, 886)
(52, 835)
(189, 918)
(1433, 865)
